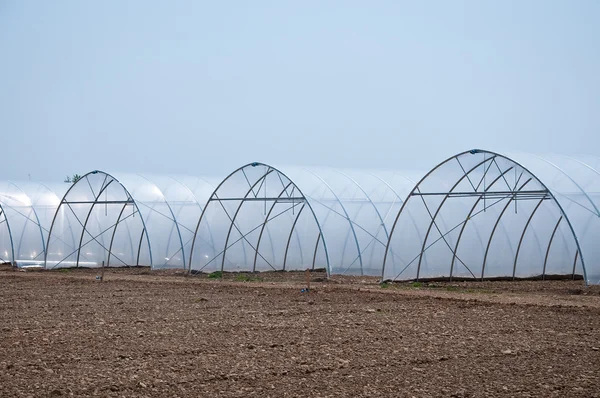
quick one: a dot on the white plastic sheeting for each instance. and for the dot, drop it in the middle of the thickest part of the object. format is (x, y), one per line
(27, 209)
(7, 251)
(575, 183)
(482, 215)
(263, 218)
(477, 215)
(123, 219)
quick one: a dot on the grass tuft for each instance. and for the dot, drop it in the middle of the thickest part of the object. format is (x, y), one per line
(216, 275)
(246, 278)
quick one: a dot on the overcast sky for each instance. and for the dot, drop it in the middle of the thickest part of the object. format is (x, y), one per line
(201, 87)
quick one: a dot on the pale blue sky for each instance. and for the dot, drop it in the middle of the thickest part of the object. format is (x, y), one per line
(202, 87)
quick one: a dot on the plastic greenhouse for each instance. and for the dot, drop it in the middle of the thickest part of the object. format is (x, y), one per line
(476, 215)
(126, 220)
(26, 212)
(481, 215)
(263, 218)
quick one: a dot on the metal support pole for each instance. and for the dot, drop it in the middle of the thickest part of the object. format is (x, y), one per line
(315, 253)
(235, 216)
(84, 230)
(469, 217)
(487, 249)
(431, 224)
(112, 238)
(287, 246)
(523, 236)
(12, 247)
(548, 249)
(575, 265)
(262, 229)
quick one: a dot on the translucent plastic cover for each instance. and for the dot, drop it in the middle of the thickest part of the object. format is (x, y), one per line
(575, 183)
(123, 219)
(482, 215)
(26, 213)
(265, 218)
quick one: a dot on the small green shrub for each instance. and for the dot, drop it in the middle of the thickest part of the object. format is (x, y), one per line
(417, 284)
(216, 275)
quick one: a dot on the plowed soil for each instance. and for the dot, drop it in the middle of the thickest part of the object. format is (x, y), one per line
(153, 334)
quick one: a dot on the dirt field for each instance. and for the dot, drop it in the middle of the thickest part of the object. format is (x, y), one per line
(142, 334)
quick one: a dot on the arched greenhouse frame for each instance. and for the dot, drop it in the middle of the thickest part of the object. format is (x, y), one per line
(476, 215)
(26, 212)
(484, 215)
(264, 218)
(119, 219)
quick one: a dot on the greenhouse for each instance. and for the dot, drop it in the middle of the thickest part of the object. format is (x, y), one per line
(261, 218)
(26, 212)
(126, 220)
(477, 215)
(482, 215)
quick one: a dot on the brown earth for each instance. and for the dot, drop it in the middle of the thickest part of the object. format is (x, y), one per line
(161, 334)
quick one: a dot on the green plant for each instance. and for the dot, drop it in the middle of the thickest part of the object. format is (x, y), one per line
(246, 278)
(385, 285)
(215, 275)
(73, 179)
(417, 284)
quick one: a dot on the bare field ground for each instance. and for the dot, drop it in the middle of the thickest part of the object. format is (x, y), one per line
(161, 334)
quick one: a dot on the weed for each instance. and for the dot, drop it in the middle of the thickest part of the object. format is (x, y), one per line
(216, 275)
(246, 278)
(416, 284)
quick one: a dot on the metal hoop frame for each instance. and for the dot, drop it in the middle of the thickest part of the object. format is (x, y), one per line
(511, 195)
(295, 200)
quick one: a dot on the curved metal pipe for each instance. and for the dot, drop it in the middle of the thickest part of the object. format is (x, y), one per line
(12, 247)
(474, 151)
(432, 223)
(64, 201)
(548, 249)
(494, 229)
(287, 246)
(283, 174)
(347, 217)
(523, 235)
(174, 219)
(264, 225)
(469, 218)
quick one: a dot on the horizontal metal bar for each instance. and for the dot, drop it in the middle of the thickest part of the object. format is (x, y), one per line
(516, 198)
(99, 202)
(252, 199)
(488, 193)
(322, 200)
